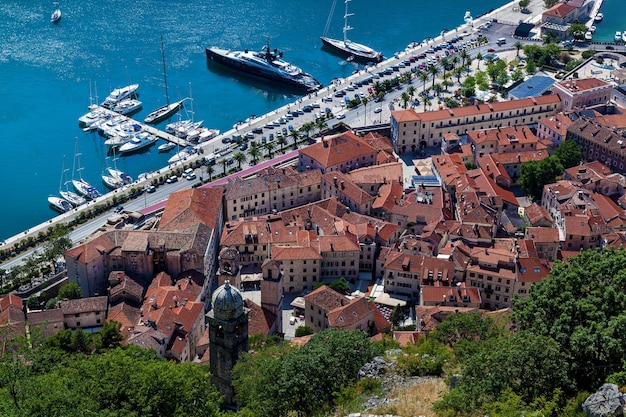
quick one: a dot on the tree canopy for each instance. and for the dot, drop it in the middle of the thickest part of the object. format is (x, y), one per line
(282, 379)
(580, 305)
(535, 174)
(569, 154)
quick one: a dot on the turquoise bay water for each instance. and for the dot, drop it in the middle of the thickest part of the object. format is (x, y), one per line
(614, 20)
(46, 71)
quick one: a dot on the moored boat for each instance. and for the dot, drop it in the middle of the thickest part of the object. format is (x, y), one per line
(265, 64)
(81, 186)
(598, 17)
(207, 134)
(618, 36)
(166, 147)
(127, 106)
(120, 94)
(138, 142)
(182, 155)
(168, 109)
(352, 50)
(59, 204)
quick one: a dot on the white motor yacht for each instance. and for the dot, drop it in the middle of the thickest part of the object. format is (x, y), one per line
(139, 141)
(120, 94)
(59, 204)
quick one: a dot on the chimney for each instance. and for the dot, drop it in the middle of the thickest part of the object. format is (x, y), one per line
(325, 142)
(335, 180)
(342, 185)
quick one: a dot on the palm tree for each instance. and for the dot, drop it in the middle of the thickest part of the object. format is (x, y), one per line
(240, 158)
(434, 71)
(295, 135)
(426, 101)
(405, 99)
(458, 72)
(445, 63)
(320, 124)
(306, 128)
(464, 56)
(479, 58)
(437, 88)
(423, 77)
(210, 171)
(224, 163)
(455, 61)
(446, 84)
(282, 141)
(410, 91)
(270, 147)
(254, 153)
(518, 45)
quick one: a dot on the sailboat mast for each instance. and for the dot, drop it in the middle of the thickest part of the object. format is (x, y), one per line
(346, 27)
(167, 96)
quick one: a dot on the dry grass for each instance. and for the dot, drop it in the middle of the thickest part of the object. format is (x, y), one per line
(416, 400)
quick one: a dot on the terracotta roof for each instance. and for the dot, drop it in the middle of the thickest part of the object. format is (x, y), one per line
(532, 269)
(559, 10)
(265, 231)
(536, 213)
(345, 316)
(338, 182)
(441, 294)
(588, 172)
(378, 141)
(402, 116)
(84, 305)
(260, 320)
(285, 253)
(10, 300)
(406, 337)
(429, 317)
(100, 245)
(388, 195)
(543, 234)
(425, 266)
(184, 209)
(326, 298)
(36, 318)
(377, 174)
(518, 135)
(125, 314)
(580, 84)
(338, 149)
(557, 123)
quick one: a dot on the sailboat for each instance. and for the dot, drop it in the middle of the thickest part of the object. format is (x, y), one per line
(115, 178)
(184, 128)
(354, 51)
(70, 196)
(56, 15)
(168, 109)
(80, 185)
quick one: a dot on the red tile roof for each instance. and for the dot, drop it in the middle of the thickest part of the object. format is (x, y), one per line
(338, 149)
(186, 208)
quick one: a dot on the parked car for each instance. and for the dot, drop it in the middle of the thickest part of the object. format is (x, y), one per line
(172, 179)
(377, 110)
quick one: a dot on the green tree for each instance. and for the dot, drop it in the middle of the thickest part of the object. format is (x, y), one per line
(69, 291)
(527, 364)
(577, 30)
(303, 331)
(535, 174)
(269, 146)
(517, 75)
(340, 285)
(282, 141)
(549, 3)
(254, 153)
(109, 336)
(405, 98)
(423, 77)
(239, 158)
(580, 305)
(569, 153)
(469, 327)
(306, 128)
(224, 164)
(397, 316)
(434, 71)
(531, 67)
(518, 46)
(210, 170)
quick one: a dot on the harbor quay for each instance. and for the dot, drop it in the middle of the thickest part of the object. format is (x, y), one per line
(509, 12)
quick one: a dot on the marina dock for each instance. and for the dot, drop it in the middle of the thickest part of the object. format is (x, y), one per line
(147, 128)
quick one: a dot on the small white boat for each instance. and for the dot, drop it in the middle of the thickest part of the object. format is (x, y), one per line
(588, 35)
(127, 106)
(59, 204)
(468, 17)
(73, 198)
(56, 15)
(618, 36)
(624, 36)
(598, 17)
(166, 147)
(85, 189)
(88, 119)
(592, 29)
(207, 134)
(111, 182)
(115, 141)
(120, 94)
(182, 155)
(140, 141)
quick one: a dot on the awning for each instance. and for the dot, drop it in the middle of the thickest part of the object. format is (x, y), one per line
(386, 299)
(298, 302)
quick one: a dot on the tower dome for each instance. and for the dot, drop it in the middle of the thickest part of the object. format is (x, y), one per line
(227, 302)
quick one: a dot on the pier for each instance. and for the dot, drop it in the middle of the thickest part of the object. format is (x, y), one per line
(147, 128)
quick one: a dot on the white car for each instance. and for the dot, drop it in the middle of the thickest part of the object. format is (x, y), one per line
(341, 116)
(377, 110)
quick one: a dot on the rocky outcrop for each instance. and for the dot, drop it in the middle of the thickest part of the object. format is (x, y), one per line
(606, 402)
